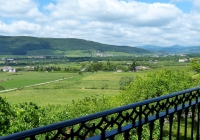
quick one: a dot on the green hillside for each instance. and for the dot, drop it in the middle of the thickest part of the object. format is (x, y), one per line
(24, 45)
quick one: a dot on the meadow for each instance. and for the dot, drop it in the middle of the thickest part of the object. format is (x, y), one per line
(21, 79)
(61, 92)
(71, 86)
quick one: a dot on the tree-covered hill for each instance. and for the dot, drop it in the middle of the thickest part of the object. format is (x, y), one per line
(23, 45)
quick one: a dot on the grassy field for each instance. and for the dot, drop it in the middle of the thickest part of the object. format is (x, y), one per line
(21, 79)
(63, 92)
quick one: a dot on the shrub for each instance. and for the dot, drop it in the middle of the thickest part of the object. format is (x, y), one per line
(124, 81)
(158, 83)
(2, 88)
(6, 116)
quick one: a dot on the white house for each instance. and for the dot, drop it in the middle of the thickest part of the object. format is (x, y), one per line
(12, 70)
(8, 69)
(119, 70)
(141, 68)
(183, 60)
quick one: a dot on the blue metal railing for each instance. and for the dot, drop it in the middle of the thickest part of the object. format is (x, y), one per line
(175, 116)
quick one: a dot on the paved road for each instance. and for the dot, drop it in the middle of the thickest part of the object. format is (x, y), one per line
(36, 84)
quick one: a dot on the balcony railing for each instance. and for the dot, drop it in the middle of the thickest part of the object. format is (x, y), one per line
(172, 116)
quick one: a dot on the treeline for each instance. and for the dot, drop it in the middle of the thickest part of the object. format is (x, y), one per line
(19, 117)
(142, 60)
(109, 66)
(65, 59)
(90, 66)
(46, 68)
(86, 67)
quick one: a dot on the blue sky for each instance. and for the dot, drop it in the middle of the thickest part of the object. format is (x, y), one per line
(118, 22)
(184, 5)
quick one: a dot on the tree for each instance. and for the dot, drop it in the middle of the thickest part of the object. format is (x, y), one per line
(6, 116)
(158, 83)
(97, 66)
(133, 65)
(19, 51)
(195, 64)
(27, 116)
(2, 88)
(124, 81)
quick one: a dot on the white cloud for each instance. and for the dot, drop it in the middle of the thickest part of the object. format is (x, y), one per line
(19, 28)
(107, 21)
(196, 4)
(115, 11)
(19, 9)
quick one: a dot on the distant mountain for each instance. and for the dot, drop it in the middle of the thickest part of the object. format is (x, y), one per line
(172, 49)
(150, 48)
(24, 45)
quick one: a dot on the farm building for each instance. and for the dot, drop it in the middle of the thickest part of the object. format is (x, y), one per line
(8, 69)
(183, 60)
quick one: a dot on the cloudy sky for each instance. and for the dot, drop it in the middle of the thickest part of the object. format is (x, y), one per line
(117, 22)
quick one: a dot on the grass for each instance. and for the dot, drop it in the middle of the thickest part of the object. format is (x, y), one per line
(75, 53)
(17, 80)
(69, 64)
(112, 76)
(119, 53)
(63, 92)
(48, 96)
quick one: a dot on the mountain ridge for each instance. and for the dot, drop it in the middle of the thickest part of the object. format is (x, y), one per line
(27, 45)
(171, 49)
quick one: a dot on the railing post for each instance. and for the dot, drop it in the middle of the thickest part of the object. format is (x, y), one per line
(151, 127)
(186, 117)
(161, 120)
(192, 125)
(179, 120)
(127, 135)
(170, 125)
(139, 130)
(198, 124)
